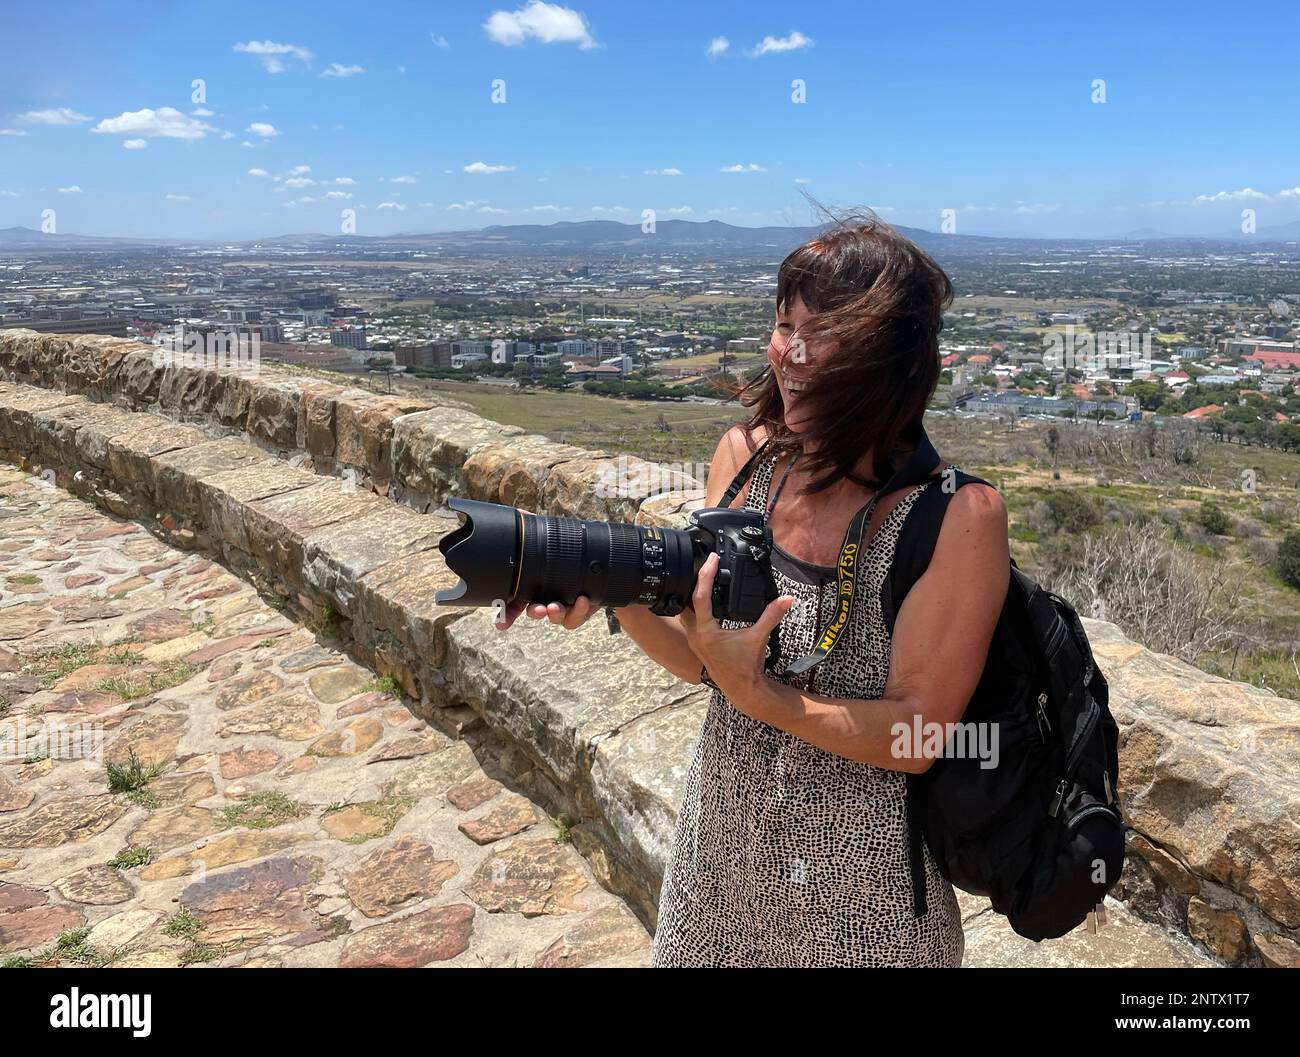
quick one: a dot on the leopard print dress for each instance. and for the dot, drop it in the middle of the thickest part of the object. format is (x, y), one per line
(788, 855)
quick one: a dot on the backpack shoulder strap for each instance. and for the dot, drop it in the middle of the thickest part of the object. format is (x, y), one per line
(912, 554)
(738, 482)
(917, 539)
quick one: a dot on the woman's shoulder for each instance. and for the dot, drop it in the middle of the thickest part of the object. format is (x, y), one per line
(975, 500)
(976, 516)
(734, 449)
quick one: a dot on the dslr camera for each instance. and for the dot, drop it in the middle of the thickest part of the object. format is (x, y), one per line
(502, 553)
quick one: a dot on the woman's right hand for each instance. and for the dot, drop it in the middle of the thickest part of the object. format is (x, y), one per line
(570, 617)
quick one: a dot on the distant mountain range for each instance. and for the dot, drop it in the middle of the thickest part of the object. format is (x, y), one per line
(612, 237)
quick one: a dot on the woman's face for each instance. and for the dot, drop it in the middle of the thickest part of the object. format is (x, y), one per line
(793, 360)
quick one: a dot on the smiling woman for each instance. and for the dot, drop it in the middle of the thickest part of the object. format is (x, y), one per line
(793, 846)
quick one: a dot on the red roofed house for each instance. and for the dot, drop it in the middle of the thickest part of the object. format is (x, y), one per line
(1204, 412)
(979, 358)
(1275, 359)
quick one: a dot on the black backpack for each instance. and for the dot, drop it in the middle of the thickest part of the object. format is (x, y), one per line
(1041, 834)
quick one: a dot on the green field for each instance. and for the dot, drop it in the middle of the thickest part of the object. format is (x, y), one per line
(633, 426)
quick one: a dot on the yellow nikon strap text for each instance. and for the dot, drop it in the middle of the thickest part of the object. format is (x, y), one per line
(847, 574)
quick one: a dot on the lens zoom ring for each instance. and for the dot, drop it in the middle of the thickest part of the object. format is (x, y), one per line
(563, 555)
(624, 565)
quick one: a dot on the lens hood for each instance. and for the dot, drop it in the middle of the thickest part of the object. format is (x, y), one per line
(477, 551)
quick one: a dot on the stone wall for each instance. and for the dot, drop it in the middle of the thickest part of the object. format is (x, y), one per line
(330, 500)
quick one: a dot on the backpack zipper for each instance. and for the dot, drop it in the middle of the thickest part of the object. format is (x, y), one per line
(1057, 636)
(1071, 760)
(1041, 716)
(1076, 748)
(1060, 795)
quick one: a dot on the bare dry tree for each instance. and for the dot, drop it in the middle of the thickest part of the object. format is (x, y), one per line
(1136, 576)
(1153, 456)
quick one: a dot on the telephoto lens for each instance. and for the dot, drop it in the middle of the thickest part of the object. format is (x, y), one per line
(502, 553)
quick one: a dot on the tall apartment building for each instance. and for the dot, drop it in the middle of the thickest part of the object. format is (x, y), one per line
(349, 337)
(508, 351)
(434, 354)
(575, 347)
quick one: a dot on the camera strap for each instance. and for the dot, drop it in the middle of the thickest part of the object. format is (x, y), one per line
(919, 468)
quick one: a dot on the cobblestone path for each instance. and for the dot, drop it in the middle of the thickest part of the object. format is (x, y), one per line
(187, 777)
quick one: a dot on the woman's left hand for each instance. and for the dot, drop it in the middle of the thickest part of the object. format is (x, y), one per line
(733, 656)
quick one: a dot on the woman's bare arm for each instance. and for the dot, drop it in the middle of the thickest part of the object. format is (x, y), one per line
(940, 643)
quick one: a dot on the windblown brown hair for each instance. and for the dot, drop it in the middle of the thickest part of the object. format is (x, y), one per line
(880, 299)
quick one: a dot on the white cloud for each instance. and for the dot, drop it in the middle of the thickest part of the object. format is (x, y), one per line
(476, 206)
(718, 46)
(71, 189)
(263, 129)
(11, 194)
(304, 200)
(679, 211)
(165, 122)
(664, 172)
(392, 205)
(1034, 208)
(338, 194)
(201, 112)
(258, 172)
(177, 198)
(542, 22)
(270, 54)
(135, 144)
(802, 180)
(61, 116)
(403, 180)
(438, 40)
(609, 209)
(482, 168)
(1231, 196)
(298, 170)
(300, 181)
(751, 167)
(247, 143)
(337, 69)
(776, 45)
(13, 132)
(345, 181)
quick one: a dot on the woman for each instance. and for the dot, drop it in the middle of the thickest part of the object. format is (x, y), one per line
(791, 847)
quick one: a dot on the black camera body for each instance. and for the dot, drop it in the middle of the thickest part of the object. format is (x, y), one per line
(743, 585)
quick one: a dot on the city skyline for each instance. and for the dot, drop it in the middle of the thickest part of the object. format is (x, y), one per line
(246, 123)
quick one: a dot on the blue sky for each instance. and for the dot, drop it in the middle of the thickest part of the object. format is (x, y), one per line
(613, 108)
